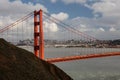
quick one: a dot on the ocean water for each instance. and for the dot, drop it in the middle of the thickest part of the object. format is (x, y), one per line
(107, 68)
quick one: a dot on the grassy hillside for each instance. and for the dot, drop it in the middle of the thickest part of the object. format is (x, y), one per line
(19, 64)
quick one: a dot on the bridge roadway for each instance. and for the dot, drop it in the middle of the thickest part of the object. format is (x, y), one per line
(61, 59)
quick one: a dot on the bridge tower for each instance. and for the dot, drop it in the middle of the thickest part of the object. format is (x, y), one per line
(38, 35)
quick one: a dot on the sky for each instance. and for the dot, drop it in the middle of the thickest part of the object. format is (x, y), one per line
(98, 18)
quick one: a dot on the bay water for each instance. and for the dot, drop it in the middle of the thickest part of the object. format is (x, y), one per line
(107, 68)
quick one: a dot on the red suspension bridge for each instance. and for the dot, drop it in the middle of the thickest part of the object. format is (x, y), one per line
(71, 37)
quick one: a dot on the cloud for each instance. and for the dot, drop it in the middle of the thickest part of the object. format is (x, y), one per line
(106, 18)
(106, 7)
(5, 20)
(101, 29)
(112, 29)
(74, 1)
(83, 28)
(53, 1)
(53, 27)
(51, 30)
(61, 16)
(16, 8)
(50, 27)
(12, 11)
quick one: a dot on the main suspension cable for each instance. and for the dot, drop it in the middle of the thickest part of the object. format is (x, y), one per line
(16, 22)
(68, 27)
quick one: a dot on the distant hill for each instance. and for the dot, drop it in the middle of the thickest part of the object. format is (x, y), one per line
(19, 64)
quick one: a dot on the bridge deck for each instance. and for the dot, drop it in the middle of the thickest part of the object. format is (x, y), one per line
(61, 59)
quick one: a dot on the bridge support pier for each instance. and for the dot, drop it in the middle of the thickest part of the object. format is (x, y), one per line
(38, 35)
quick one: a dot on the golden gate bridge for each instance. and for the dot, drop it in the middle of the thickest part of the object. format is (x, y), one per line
(32, 26)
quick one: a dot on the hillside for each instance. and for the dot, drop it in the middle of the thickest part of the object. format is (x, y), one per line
(19, 64)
